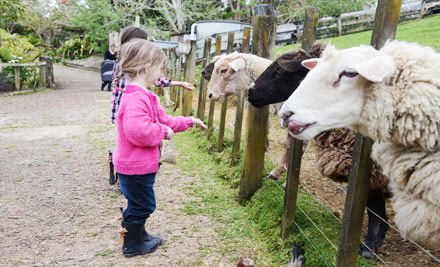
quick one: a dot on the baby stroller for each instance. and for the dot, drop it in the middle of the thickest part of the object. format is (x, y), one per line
(106, 74)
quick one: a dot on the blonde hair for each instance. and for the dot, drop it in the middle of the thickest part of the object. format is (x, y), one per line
(135, 55)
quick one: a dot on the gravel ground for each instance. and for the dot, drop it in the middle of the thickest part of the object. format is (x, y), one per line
(56, 206)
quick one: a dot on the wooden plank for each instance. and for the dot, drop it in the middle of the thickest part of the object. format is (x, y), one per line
(246, 40)
(173, 62)
(292, 182)
(295, 150)
(387, 18)
(218, 51)
(238, 127)
(190, 66)
(240, 105)
(221, 132)
(355, 202)
(203, 83)
(17, 77)
(178, 76)
(43, 76)
(23, 64)
(339, 26)
(263, 45)
(310, 26)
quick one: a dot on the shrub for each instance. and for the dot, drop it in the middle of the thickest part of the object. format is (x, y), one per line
(77, 48)
(16, 48)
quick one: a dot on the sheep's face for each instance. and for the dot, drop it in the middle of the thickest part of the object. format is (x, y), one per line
(228, 77)
(332, 94)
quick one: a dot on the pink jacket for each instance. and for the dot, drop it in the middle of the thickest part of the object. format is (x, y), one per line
(141, 124)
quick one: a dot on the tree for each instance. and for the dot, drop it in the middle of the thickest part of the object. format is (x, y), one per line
(10, 11)
(46, 18)
(175, 14)
(96, 19)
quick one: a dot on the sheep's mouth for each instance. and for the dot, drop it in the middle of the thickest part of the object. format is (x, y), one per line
(297, 128)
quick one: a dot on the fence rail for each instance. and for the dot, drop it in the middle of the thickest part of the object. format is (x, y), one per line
(46, 72)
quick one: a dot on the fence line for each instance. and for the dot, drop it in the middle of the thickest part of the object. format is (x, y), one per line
(46, 72)
(356, 197)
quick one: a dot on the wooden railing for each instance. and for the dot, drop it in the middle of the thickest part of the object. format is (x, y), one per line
(46, 72)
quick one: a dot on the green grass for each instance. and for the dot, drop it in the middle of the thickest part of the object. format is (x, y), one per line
(251, 229)
(425, 32)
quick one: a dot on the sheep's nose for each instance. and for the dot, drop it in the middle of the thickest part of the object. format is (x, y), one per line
(210, 96)
(203, 72)
(250, 90)
(287, 114)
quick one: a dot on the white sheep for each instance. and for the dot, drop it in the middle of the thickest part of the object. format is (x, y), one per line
(393, 96)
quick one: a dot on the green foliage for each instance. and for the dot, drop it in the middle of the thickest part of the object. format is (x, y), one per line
(10, 10)
(16, 48)
(295, 9)
(77, 48)
(97, 19)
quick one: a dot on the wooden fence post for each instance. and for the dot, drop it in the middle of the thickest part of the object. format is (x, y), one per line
(309, 30)
(221, 133)
(190, 66)
(263, 44)
(17, 77)
(295, 153)
(178, 78)
(43, 72)
(339, 26)
(218, 51)
(173, 73)
(240, 104)
(203, 83)
(246, 40)
(387, 18)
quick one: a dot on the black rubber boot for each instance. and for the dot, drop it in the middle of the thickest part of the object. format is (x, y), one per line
(134, 243)
(111, 179)
(147, 237)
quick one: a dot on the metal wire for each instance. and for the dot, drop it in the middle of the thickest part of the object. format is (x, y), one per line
(331, 243)
(311, 243)
(362, 242)
(394, 228)
(322, 233)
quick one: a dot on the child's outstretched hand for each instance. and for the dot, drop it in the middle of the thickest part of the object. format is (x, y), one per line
(197, 121)
(187, 86)
(170, 133)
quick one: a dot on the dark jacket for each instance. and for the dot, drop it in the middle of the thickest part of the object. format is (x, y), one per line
(109, 55)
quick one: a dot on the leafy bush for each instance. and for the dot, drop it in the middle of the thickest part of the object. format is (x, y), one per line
(16, 48)
(77, 48)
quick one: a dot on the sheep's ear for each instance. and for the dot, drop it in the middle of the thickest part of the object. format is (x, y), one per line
(377, 68)
(329, 51)
(310, 63)
(237, 64)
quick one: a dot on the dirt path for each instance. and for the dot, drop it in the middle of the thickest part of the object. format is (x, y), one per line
(56, 205)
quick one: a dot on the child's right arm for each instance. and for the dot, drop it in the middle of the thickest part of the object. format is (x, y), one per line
(139, 127)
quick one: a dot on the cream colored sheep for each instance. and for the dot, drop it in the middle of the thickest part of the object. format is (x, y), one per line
(393, 96)
(235, 72)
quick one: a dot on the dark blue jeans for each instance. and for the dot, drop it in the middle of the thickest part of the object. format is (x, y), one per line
(138, 189)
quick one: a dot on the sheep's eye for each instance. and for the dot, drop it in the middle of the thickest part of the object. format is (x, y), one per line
(350, 73)
(223, 71)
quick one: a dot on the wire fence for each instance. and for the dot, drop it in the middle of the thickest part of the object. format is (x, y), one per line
(313, 220)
